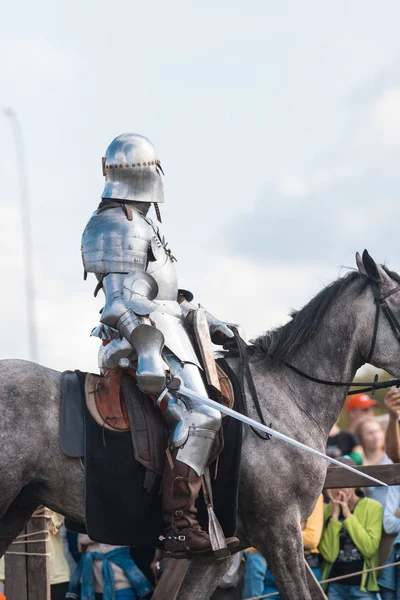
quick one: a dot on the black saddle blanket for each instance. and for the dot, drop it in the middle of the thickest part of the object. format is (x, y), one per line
(119, 509)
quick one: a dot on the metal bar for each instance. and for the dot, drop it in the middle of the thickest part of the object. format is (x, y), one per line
(184, 391)
(316, 591)
(30, 296)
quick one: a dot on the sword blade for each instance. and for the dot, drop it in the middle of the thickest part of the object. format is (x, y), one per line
(184, 391)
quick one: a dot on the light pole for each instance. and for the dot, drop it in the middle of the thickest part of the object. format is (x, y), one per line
(26, 231)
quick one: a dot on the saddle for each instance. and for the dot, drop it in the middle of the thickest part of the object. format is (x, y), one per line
(106, 403)
(116, 404)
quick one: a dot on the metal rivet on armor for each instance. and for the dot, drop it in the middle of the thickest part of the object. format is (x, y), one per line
(106, 166)
(126, 166)
(120, 166)
(178, 513)
(139, 165)
(133, 165)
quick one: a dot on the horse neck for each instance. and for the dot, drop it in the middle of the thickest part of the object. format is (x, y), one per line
(332, 354)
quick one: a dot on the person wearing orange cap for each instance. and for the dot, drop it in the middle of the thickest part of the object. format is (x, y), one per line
(358, 407)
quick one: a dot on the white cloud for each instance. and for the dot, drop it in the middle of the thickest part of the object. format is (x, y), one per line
(293, 186)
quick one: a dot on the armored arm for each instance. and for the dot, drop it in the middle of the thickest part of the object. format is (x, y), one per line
(129, 301)
(116, 250)
(219, 330)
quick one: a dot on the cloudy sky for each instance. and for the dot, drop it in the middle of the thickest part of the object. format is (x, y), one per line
(278, 127)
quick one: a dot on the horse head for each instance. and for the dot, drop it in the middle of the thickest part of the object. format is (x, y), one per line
(381, 322)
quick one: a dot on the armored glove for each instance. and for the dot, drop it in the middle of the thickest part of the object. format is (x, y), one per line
(151, 370)
(219, 331)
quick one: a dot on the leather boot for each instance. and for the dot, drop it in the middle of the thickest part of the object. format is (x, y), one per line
(183, 535)
(180, 489)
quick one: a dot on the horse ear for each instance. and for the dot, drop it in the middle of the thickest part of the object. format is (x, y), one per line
(371, 267)
(360, 264)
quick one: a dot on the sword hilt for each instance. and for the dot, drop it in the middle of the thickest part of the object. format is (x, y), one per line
(171, 386)
(174, 384)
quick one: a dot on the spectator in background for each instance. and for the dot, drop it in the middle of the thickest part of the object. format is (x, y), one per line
(350, 543)
(258, 578)
(392, 402)
(343, 443)
(70, 558)
(231, 586)
(106, 572)
(358, 407)
(389, 579)
(59, 568)
(372, 440)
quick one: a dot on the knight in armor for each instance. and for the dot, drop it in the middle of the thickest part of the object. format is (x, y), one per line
(145, 322)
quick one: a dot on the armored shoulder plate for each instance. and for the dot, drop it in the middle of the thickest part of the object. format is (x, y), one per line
(113, 244)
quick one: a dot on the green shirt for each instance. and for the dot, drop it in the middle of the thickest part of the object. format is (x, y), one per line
(365, 528)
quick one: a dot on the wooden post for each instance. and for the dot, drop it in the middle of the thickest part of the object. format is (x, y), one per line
(27, 562)
(336, 477)
(171, 580)
(16, 587)
(38, 576)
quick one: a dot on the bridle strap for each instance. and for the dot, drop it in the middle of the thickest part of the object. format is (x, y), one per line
(389, 293)
(380, 301)
(371, 385)
(375, 333)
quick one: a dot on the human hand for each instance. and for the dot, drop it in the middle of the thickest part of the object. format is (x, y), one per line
(334, 496)
(392, 402)
(220, 332)
(344, 504)
(155, 569)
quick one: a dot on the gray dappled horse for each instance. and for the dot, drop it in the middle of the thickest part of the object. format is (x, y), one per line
(330, 338)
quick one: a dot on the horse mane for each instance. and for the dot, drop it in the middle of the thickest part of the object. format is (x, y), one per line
(280, 344)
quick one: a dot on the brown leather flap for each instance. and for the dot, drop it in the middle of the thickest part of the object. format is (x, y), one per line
(148, 428)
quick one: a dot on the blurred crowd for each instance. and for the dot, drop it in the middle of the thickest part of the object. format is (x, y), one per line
(350, 532)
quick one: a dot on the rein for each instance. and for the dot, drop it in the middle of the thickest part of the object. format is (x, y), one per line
(368, 386)
(245, 373)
